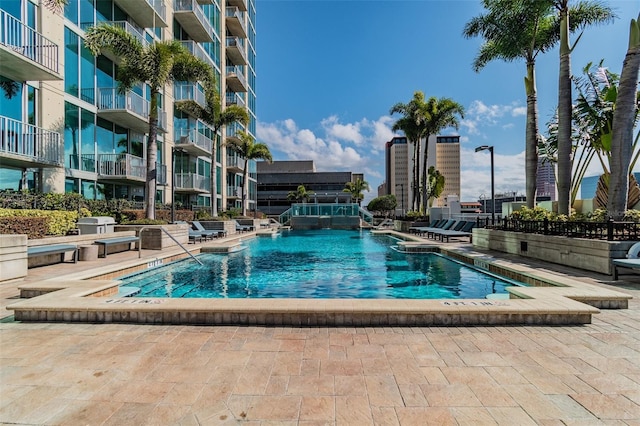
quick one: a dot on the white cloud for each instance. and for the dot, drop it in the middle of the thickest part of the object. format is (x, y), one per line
(519, 111)
(475, 175)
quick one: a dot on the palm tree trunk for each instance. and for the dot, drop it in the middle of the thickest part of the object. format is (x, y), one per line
(531, 137)
(415, 204)
(245, 181)
(152, 157)
(564, 114)
(623, 121)
(424, 175)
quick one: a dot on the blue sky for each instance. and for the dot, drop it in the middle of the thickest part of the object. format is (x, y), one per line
(329, 71)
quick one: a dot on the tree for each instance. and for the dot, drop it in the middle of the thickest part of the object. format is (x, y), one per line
(300, 194)
(216, 117)
(517, 30)
(356, 188)
(624, 119)
(435, 116)
(574, 18)
(384, 204)
(54, 5)
(249, 149)
(409, 124)
(157, 65)
(436, 185)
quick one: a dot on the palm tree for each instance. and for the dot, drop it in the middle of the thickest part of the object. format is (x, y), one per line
(249, 149)
(624, 118)
(436, 184)
(356, 188)
(570, 19)
(437, 115)
(409, 124)
(517, 30)
(157, 64)
(54, 5)
(216, 117)
(300, 194)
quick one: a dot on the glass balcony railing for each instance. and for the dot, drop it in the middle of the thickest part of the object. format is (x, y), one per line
(232, 98)
(235, 21)
(109, 98)
(193, 20)
(236, 73)
(192, 181)
(32, 143)
(198, 51)
(28, 43)
(125, 166)
(130, 29)
(234, 191)
(235, 162)
(189, 91)
(161, 174)
(193, 136)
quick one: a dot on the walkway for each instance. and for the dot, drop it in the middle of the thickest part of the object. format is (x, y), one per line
(158, 375)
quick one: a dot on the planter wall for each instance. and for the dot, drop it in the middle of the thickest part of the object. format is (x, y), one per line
(591, 255)
(13, 256)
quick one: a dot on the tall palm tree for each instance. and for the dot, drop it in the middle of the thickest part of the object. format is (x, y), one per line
(409, 124)
(157, 64)
(624, 119)
(436, 184)
(214, 115)
(570, 19)
(356, 189)
(517, 30)
(249, 149)
(435, 116)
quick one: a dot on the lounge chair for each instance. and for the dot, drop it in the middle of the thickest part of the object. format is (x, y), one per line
(465, 231)
(631, 262)
(448, 223)
(206, 233)
(454, 227)
(243, 228)
(434, 223)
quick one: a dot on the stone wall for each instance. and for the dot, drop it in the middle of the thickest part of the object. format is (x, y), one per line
(582, 253)
(153, 238)
(13, 256)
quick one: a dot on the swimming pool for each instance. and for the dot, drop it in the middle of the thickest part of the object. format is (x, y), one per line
(319, 264)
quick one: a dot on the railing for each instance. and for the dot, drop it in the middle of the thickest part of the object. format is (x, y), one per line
(28, 42)
(233, 128)
(161, 174)
(189, 91)
(610, 230)
(170, 236)
(193, 136)
(235, 161)
(237, 42)
(192, 181)
(197, 50)
(121, 165)
(234, 191)
(193, 6)
(109, 98)
(129, 29)
(31, 142)
(84, 162)
(235, 12)
(237, 72)
(232, 98)
(159, 7)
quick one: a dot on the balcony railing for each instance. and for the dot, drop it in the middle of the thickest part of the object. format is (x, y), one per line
(32, 143)
(235, 79)
(109, 98)
(161, 174)
(232, 129)
(189, 91)
(232, 98)
(147, 13)
(235, 21)
(193, 136)
(234, 191)
(84, 162)
(235, 50)
(192, 181)
(28, 43)
(124, 166)
(235, 162)
(190, 15)
(130, 29)
(198, 51)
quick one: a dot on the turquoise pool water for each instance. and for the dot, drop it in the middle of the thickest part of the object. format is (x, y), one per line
(319, 264)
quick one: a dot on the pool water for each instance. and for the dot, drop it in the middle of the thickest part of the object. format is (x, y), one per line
(319, 264)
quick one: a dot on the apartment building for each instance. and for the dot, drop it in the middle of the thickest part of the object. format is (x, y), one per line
(64, 126)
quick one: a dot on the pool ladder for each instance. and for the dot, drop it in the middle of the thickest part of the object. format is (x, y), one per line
(168, 235)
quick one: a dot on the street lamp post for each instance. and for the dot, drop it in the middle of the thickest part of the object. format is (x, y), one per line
(401, 185)
(493, 194)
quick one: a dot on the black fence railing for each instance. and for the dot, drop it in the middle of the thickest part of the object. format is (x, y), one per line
(610, 230)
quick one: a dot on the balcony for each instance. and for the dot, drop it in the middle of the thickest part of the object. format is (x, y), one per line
(127, 109)
(25, 54)
(234, 191)
(236, 80)
(235, 50)
(84, 162)
(233, 129)
(190, 16)
(192, 183)
(193, 142)
(122, 168)
(24, 145)
(234, 18)
(161, 174)
(240, 4)
(235, 164)
(189, 92)
(197, 51)
(147, 13)
(129, 29)
(232, 98)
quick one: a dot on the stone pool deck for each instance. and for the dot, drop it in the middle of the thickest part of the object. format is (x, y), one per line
(133, 374)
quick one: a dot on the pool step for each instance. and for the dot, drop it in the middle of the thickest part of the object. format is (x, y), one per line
(125, 291)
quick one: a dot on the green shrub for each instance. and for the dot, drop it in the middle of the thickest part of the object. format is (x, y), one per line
(33, 227)
(58, 222)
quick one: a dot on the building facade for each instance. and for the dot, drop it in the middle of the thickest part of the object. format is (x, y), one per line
(65, 127)
(277, 179)
(546, 181)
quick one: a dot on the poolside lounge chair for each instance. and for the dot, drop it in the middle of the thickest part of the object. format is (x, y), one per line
(632, 261)
(206, 233)
(243, 228)
(434, 223)
(464, 231)
(448, 223)
(456, 226)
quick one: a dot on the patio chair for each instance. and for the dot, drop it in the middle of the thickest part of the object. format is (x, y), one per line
(434, 223)
(243, 228)
(206, 233)
(443, 224)
(465, 231)
(456, 226)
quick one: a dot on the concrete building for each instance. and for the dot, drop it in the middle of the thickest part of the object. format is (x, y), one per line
(277, 179)
(66, 127)
(447, 161)
(545, 181)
